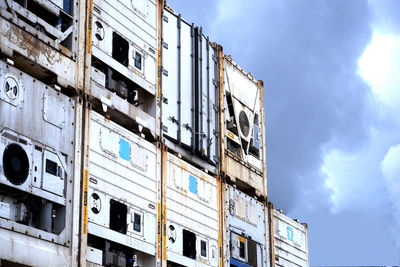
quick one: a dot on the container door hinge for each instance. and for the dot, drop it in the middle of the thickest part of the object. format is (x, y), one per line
(164, 100)
(165, 128)
(165, 18)
(216, 108)
(214, 58)
(164, 71)
(216, 84)
(165, 45)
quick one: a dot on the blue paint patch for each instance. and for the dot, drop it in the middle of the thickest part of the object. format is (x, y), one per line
(289, 233)
(124, 149)
(192, 184)
(237, 263)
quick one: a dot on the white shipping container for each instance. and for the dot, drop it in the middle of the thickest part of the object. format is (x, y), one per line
(192, 215)
(125, 38)
(123, 171)
(39, 181)
(290, 241)
(245, 230)
(45, 32)
(189, 89)
(244, 127)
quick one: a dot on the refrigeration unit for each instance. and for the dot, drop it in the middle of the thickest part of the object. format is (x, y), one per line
(190, 94)
(122, 196)
(42, 36)
(38, 187)
(124, 59)
(246, 231)
(244, 125)
(191, 215)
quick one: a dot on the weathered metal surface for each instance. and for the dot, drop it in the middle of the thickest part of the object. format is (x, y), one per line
(121, 105)
(245, 226)
(43, 123)
(136, 23)
(14, 39)
(244, 125)
(123, 171)
(32, 251)
(124, 50)
(190, 95)
(55, 22)
(290, 241)
(192, 215)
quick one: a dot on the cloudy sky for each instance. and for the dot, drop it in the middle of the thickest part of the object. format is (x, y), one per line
(331, 70)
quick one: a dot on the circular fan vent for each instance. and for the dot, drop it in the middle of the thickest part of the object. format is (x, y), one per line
(11, 88)
(99, 31)
(15, 164)
(244, 123)
(95, 203)
(172, 234)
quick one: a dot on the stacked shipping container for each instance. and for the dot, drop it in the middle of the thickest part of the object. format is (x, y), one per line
(128, 139)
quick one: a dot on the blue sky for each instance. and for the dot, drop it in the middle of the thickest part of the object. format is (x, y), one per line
(331, 71)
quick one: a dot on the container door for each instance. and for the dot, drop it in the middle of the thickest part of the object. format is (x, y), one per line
(177, 81)
(213, 109)
(206, 108)
(170, 108)
(187, 84)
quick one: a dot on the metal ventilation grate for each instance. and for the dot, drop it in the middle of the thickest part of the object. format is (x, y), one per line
(11, 88)
(244, 123)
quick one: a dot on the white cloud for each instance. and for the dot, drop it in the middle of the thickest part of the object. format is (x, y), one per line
(379, 66)
(369, 178)
(354, 177)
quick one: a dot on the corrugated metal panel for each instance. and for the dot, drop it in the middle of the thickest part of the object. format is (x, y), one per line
(125, 38)
(122, 184)
(192, 209)
(245, 226)
(291, 241)
(190, 93)
(37, 133)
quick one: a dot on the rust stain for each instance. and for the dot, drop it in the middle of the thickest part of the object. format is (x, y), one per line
(183, 165)
(33, 47)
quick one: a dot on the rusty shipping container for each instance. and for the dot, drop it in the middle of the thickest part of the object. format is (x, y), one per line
(45, 38)
(192, 210)
(243, 122)
(123, 195)
(190, 92)
(246, 239)
(289, 240)
(39, 172)
(123, 62)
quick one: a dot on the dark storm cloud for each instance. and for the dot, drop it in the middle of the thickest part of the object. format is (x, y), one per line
(307, 53)
(312, 92)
